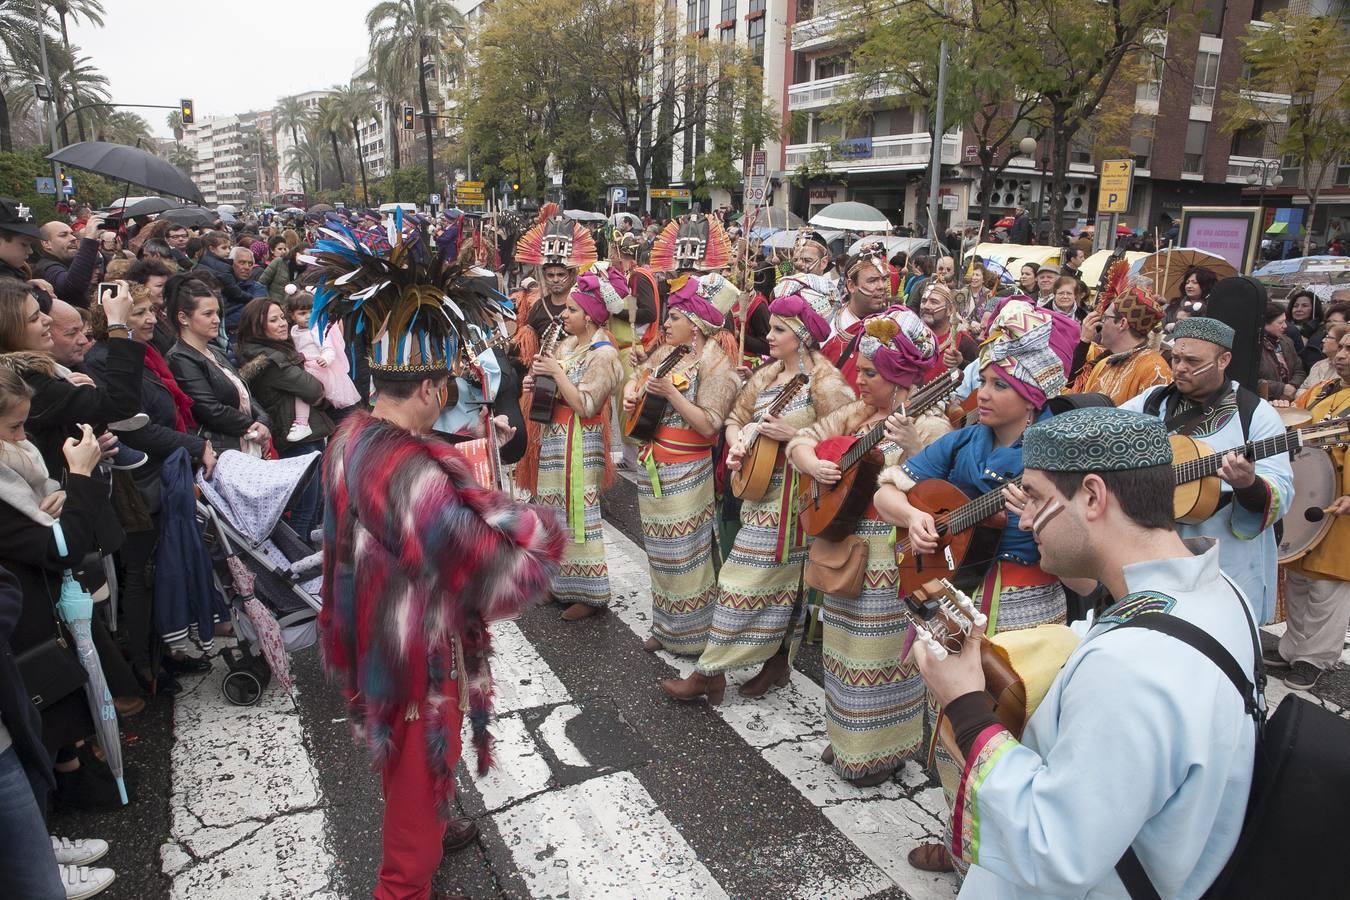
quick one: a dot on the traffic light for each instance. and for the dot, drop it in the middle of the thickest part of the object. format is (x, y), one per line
(515, 185)
(409, 120)
(186, 106)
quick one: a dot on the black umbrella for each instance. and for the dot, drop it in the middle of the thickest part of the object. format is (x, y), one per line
(189, 216)
(130, 164)
(150, 206)
(321, 208)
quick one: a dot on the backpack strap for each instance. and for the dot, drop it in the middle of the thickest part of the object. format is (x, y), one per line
(1130, 870)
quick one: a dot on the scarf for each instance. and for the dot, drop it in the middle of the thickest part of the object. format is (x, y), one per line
(1276, 350)
(182, 403)
(24, 482)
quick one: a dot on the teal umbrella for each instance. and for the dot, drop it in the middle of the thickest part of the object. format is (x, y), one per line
(76, 609)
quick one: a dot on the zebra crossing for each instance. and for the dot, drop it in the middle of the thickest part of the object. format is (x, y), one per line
(602, 787)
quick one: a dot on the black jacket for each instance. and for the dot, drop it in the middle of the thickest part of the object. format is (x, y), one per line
(73, 279)
(44, 299)
(235, 297)
(277, 378)
(215, 400)
(16, 710)
(1020, 231)
(159, 437)
(59, 407)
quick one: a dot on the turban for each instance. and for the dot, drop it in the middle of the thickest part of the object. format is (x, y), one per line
(687, 300)
(1032, 347)
(899, 345)
(586, 294)
(1140, 308)
(804, 301)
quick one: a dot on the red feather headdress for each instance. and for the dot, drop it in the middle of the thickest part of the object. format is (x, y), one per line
(694, 242)
(556, 242)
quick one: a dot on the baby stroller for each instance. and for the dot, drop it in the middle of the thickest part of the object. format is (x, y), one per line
(270, 574)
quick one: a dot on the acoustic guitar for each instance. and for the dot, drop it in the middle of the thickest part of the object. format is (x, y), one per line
(832, 512)
(950, 617)
(751, 481)
(642, 422)
(969, 530)
(545, 395)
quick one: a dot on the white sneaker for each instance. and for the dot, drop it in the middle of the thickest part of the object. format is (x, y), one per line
(82, 881)
(298, 433)
(79, 852)
(134, 423)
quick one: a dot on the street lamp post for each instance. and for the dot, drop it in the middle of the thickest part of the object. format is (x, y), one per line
(1266, 173)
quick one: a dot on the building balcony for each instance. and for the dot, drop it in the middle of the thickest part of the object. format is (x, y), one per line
(816, 32)
(1277, 103)
(894, 152)
(818, 94)
(1239, 167)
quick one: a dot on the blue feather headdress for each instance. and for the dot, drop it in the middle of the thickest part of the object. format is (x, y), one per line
(418, 316)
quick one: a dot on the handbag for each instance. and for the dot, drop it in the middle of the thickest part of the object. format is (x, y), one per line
(837, 567)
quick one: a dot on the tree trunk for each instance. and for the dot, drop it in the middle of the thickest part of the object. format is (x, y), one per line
(986, 183)
(1308, 226)
(361, 161)
(426, 121)
(1059, 166)
(390, 119)
(337, 158)
(304, 185)
(6, 136)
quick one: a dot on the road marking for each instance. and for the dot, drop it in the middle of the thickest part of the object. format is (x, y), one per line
(787, 727)
(247, 814)
(604, 837)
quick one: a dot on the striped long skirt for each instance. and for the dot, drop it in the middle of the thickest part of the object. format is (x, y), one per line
(873, 705)
(677, 530)
(755, 589)
(584, 576)
(1014, 596)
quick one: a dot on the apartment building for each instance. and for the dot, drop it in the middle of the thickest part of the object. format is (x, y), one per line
(284, 141)
(1182, 153)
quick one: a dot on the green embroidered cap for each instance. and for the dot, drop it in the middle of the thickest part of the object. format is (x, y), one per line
(1098, 439)
(1203, 329)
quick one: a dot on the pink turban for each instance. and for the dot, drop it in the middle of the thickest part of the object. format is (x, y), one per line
(586, 294)
(795, 306)
(1033, 348)
(687, 300)
(899, 344)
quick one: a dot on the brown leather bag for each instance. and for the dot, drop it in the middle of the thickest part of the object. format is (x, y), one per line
(837, 567)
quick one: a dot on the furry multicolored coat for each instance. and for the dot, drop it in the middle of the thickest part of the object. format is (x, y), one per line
(418, 558)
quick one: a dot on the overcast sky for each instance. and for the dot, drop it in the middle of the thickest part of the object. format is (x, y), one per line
(226, 60)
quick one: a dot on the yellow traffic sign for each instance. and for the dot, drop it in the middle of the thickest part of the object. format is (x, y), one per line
(670, 193)
(470, 186)
(1114, 185)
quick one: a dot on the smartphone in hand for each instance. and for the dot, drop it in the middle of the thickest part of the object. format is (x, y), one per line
(111, 286)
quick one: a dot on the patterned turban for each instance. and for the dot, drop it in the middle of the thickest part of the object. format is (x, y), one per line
(1033, 348)
(1141, 309)
(899, 344)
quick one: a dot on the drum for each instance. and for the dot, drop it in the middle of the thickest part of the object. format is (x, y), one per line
(1315, 487)
(1292, 416)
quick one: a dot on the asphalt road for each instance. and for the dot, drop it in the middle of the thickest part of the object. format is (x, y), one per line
(604, 787)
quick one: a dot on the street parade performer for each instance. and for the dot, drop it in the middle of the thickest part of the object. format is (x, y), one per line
(1204, 404)
(574, 461)
(758, 612)
(1113, 355)
(418, 557)
(873, 705)
(1140, 754)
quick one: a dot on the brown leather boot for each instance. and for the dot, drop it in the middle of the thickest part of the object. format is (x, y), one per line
(775, 673)
(697, 685)
(651, 645)
(578, 611)
(873, 779)
(827, 755)
(931, 857)
(459, 833)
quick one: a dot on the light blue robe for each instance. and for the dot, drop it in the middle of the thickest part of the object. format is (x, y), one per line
(1141, 741)
(1247, 551)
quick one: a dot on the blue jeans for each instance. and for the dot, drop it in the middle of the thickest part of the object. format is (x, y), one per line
(307, 508)
(27, 864)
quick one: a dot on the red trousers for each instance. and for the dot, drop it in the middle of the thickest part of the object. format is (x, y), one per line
(413, 832)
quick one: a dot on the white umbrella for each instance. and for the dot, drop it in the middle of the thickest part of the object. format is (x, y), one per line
(894, 244)
(784, 240)
(625, 220)
(851, 216)
(582, 215)
(226, 209)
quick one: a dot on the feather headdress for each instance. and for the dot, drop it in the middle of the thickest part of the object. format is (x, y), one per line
(1116, 283)
(694, 242)
(419, 317)
(556, 241)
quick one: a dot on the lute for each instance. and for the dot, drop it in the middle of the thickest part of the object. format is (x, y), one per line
(969, 530)
(832, 512)
(545, 394)
(642, 422)
(751, 481)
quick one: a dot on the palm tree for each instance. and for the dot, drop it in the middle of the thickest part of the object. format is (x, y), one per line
(395, 84)
(18, 65)
(414, 34)
(175, 122)
(356, 103)
(90, 11)
(292, 115)
(75, 81)
(183, 158)
(332, 121)
(122, 126)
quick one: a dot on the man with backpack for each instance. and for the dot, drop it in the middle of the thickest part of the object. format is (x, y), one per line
(1204, 404)
(1139, 759)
